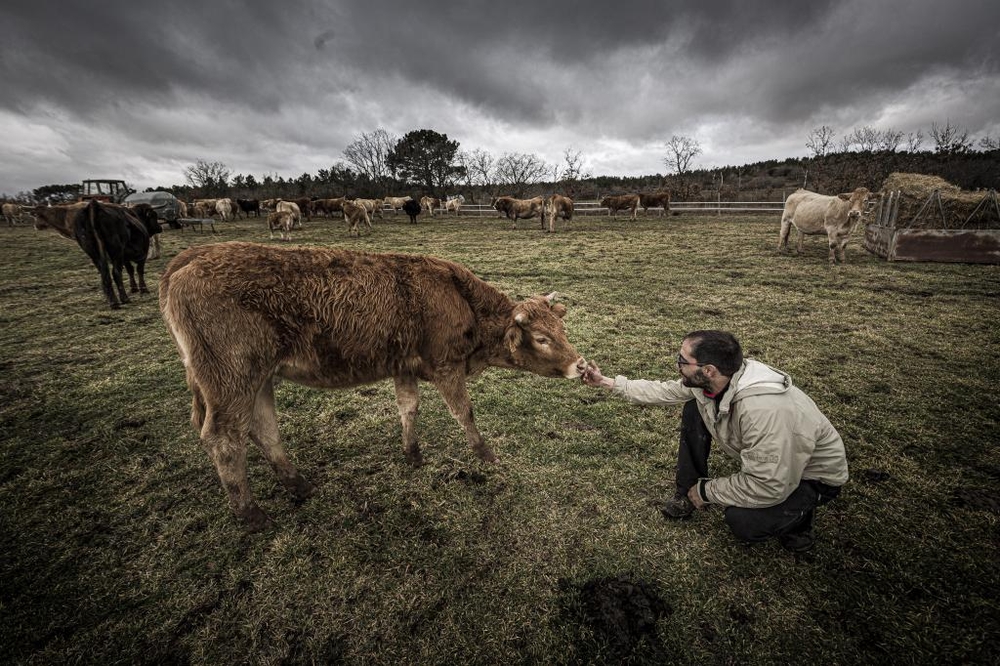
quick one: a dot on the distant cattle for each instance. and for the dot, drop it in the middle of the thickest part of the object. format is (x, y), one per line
(111, 235)
(812, 213)
(354, 215)
(147, 215)
(372, 206)
(11, 213)
(621, 202)
(525, 209)
(290, 206)
(429, 204)
(244, 316)
(411, 208)
(557, 206)
(328, 206)
(305, 207)
(454, 205)
(503, 205)
(247, 206)
(396, 203)
(282, 223)
(224, 207)
(655, 200)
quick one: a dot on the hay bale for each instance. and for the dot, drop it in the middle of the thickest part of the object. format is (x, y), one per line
(915, 189)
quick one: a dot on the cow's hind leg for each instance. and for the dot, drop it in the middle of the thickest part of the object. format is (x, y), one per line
(116, 275)
(264, 433)
(456, 396)
(225, 440)
(408, 401)
(133, 287)
(140, 268)
(786, 229)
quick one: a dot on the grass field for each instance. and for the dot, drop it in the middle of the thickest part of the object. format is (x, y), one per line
(117, 546)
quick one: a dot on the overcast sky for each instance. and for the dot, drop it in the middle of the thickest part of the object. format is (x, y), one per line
(139, 90)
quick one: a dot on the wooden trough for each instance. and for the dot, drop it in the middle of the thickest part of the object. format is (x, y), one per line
(927, 235)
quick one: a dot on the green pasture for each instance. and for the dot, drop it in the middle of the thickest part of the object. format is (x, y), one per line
(117, 545)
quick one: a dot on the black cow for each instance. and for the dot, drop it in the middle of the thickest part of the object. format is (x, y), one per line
(113, 237)
(249, 206)
(412, 208)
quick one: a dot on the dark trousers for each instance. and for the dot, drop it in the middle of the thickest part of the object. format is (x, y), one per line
(793, 516)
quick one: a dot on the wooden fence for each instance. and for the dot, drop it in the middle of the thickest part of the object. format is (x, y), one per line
(594, 208)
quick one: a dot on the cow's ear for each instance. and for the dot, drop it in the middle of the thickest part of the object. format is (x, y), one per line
(521, 319)
(845, 197)
(512, 338)
(559, 310)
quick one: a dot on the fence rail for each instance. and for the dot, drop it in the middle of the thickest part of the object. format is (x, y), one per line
(594, 208)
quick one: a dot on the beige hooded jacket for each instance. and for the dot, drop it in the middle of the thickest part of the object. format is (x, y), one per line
(774, 429)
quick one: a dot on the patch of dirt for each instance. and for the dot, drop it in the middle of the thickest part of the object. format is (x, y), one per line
(622, 613)
(875, 476)
(977, 499)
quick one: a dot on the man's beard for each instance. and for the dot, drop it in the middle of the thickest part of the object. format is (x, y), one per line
(697, 380)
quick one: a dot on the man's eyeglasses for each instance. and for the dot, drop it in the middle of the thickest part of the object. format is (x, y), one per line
(683, 361)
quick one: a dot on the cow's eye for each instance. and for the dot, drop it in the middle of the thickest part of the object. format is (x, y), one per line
(542, 341)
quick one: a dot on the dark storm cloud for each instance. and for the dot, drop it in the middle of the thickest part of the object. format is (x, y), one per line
(148, 87)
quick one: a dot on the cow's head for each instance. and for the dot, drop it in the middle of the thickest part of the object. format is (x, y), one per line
(858, 200)
(536, 339)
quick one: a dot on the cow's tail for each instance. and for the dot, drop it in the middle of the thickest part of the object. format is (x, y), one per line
(104, 261)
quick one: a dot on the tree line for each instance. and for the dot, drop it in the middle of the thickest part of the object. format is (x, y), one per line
(378, 163)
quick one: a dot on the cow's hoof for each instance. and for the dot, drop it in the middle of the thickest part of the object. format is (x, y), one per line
(415, 458)
(301, 488)
(486, 455)
(256, 520)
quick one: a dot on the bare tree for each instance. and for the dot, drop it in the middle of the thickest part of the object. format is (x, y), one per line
(820, 140)
(369, 154)
(989, 143)
(846, 142)
(516, 171)
(950, 139)
(889, 140)
(573, 171)
(866, 138)
(914, 141)
(211, 178)
(681, 151)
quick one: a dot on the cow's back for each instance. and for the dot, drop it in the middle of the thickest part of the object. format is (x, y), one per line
(808, 210)
(326, 317)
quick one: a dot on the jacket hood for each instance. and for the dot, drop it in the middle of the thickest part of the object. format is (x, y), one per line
(756, 378)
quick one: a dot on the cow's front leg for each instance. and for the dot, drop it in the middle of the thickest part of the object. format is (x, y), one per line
(408, 401)
(452, 387)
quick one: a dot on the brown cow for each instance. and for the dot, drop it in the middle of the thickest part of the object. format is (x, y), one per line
(621, 202)
(281, 222)
(328, 206)
(372, 206)
(813, 213)
(354, 215)
(244, 315)
(655, 200)
(525, 209)
(429, 203)
(556, 206)
(503, 205)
